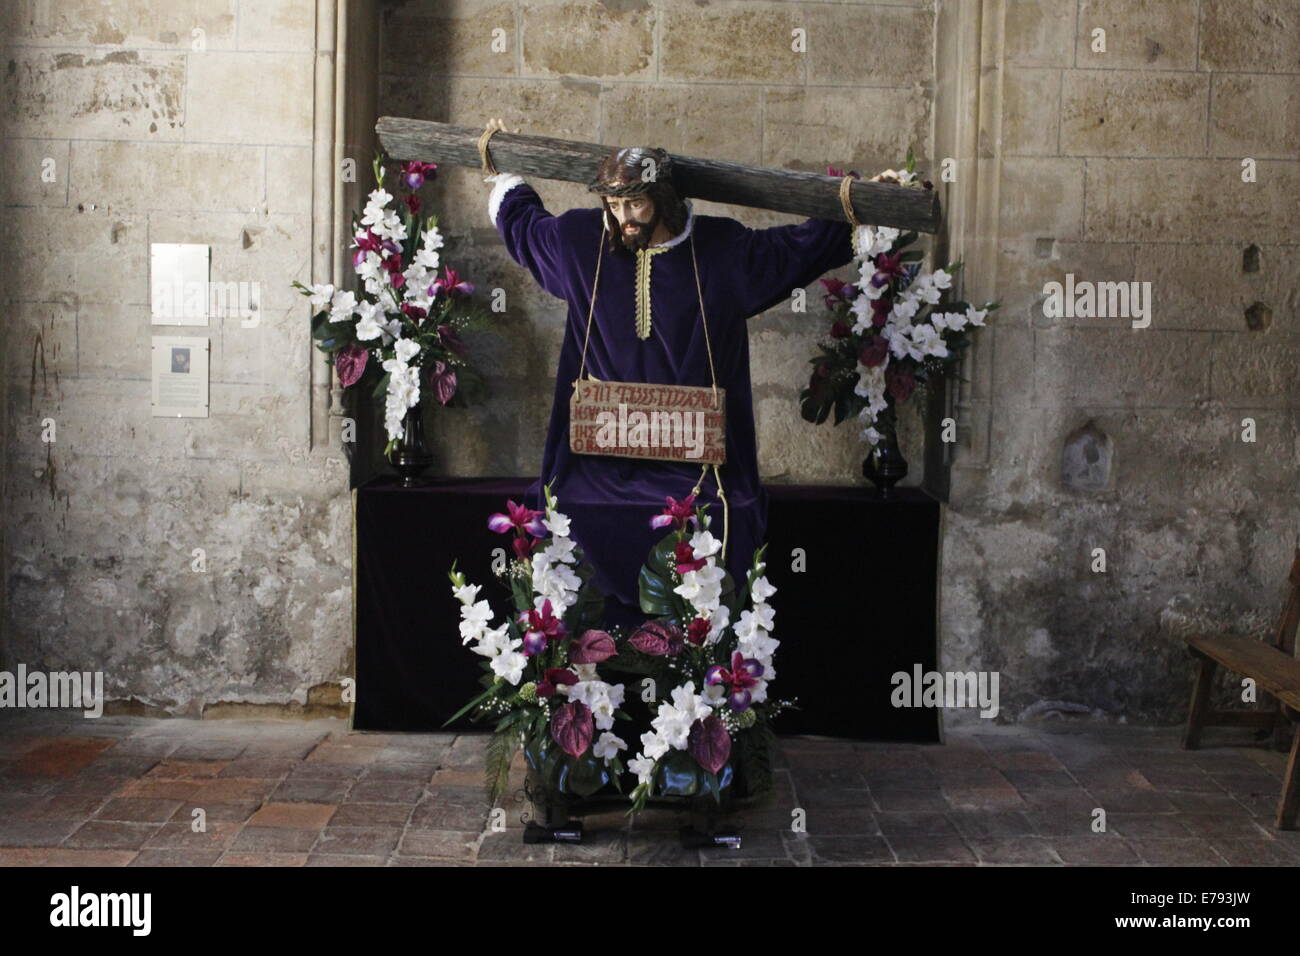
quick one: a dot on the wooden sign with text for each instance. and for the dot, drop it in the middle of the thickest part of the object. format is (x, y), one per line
(660, 422)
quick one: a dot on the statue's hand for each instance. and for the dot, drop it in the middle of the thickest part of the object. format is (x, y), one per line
(888, 176)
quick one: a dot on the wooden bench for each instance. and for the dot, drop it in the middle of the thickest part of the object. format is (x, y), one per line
(1275, 670)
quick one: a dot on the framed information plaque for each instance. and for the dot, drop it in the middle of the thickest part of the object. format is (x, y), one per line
(180, 376)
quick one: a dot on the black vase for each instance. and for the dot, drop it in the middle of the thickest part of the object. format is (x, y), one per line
(885, 465)
(411, 456)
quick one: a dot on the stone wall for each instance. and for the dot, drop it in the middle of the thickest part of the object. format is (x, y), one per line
(716, 80)
(1126, 166)
(165, 122)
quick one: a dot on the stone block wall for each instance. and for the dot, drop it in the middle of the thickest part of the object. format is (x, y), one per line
(1124, 163)
(165, 122)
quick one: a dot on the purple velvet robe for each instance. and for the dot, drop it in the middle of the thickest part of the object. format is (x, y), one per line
(743, 272)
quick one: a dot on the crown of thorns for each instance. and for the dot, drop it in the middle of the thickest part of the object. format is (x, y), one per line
(663, 174)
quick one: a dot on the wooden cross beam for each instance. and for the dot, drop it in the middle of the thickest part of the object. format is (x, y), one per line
(805, 194)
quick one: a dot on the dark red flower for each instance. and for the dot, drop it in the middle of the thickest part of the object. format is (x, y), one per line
(887, 267)
(553, 678)
(523, 547)
(880, 311)
(874, 352)
(900, 384)
(591, 647)
(351, 363)
(697, 631)
(443, 379)
(658, 639)
(709, 743)
(686, 559)
(840, 330)
(572, 728)
(412, 203)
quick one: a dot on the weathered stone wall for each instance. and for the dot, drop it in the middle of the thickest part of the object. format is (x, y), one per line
(1120, 166)
(717, 80)
(165, 122)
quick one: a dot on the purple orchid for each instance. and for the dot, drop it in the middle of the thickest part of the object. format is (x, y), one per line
(837, 289)
(368, 242)
(743, 675)
(518, 518)
(541, 626)
(675, 513)
(452, 284)
(414, 173)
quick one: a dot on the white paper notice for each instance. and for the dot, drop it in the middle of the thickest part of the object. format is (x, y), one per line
(180, 376)
(178, 282)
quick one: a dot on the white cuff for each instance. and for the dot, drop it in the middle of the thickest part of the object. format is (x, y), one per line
(504, 183)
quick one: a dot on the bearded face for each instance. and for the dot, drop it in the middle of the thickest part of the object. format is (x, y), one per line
(637, 220)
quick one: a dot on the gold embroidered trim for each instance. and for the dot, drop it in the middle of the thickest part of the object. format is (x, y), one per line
(643, 260)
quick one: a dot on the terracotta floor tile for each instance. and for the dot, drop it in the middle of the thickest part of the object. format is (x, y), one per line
(187, 769)
(104, 835)
(23, 856)
(298, 816)
(62, 757)
(138, 810)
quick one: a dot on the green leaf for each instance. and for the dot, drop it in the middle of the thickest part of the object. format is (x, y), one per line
(472, 704)
(655, 583)
(522, 593)
(841, 407)
(381, 386)
(500, 752)
(320, 324)
(656, 594)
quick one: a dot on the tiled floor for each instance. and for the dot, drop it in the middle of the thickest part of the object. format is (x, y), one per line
(127, 791)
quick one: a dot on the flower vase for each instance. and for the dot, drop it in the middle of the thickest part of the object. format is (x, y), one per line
(410, 455)
(885, 465)
(549, 808)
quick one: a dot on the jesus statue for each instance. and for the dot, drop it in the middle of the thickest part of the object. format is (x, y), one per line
(648, 326)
